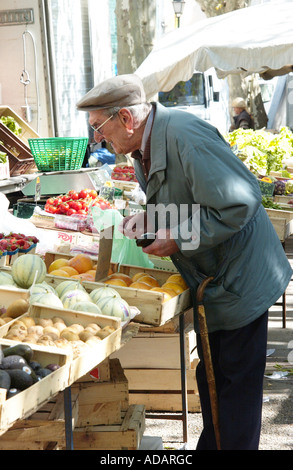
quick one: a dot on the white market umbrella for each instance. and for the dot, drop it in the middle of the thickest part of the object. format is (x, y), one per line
(255, 39)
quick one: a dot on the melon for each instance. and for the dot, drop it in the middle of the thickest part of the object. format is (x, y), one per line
(65, 286)
(50, 299)
(86, 306)
(71, 297)
(27, 269)
(41, 288)
(114, 307)
(100, 292)
(6, 279)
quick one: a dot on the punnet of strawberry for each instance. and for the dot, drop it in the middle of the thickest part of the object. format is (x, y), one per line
(13, 242)
(123, 173)
(76, 203)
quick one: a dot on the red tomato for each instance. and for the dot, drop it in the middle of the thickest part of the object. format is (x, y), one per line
(71, 212)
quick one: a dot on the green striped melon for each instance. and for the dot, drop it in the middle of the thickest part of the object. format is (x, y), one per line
(114, 307)
(46, 298)
(86, 306)
(71, 297)
(104, 291)
(6, 279)
(28, 268)
(65, 286)
(41, 288)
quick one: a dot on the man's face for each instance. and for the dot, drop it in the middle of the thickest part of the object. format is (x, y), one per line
(117, 131)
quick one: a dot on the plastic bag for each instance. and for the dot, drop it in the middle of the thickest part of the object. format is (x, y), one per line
(124, 250)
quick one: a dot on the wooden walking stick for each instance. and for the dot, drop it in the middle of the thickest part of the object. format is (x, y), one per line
(208, 358)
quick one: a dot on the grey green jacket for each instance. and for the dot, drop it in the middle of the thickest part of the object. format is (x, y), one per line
(191, 164)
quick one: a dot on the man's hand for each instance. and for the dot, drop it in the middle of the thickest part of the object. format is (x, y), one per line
(164, 244)
(133, 226)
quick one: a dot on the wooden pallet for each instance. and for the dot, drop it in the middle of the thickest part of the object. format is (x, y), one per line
(124, 436)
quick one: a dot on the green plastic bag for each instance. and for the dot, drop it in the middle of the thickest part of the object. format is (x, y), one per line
(124, 250)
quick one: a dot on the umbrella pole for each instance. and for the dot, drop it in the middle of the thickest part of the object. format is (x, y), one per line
(208, 359)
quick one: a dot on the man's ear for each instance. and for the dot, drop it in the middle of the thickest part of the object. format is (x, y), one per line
(126, 118)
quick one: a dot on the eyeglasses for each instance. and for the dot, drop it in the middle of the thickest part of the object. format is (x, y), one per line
(97, 129)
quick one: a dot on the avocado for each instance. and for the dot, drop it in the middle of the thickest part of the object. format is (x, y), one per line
(5, 380)
(13, 362)
(21, 349)
(41, 373)
(20, 379)
(12, 392)
(35, 365)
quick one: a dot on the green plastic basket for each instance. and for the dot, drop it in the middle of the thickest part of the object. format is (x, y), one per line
(58, 153)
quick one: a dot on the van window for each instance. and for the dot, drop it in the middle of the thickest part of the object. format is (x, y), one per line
(185, 93)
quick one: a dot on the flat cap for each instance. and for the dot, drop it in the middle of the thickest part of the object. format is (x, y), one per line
(121, 90)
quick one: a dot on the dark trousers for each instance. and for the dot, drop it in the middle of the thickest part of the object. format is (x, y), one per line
(239, 359)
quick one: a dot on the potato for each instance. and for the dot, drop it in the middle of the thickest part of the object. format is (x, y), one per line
(30, 339)
(70, 335)
(35, 329)
(62, 343)
(28, 321)
(93, 340)
(59, 325)
(46, 340)
(94, 326)
(85, 335)
(76, 327)
(106, 331)
(44, 322)
(58, 320)
(54, 333)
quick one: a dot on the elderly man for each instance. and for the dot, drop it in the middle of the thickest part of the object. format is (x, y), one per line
(219, 229)
(242, 119)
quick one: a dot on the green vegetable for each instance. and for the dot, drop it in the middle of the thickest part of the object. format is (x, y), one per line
(269, 204)
(11, 123)
(3, 157)
(260, 150)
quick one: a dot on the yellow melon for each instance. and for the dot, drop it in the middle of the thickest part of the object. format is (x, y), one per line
(170, 292)
(175, 287)
(150, 280)
(59, 272)
(136, 276)
(177, 279)
(116, 282)
(140, 285)
(57, 263)
(127, 279)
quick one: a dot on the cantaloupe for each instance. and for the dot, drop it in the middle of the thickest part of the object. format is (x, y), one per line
(6, 279)
(71, 297)
(41, 288)
(114, 307)
(86, 306)
(28, 268)
(50, 299)
(65, 286)
(105, 291)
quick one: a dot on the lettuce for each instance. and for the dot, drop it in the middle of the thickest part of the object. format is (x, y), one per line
(260, 150)
(11, 123)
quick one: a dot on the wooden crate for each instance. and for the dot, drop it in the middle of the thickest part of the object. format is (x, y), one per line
(154, 310)
(44, 430)
(282, 221)
(160, 389)
(27, 131)
(156, 351)
(83, 363)
(28, 401)
(103, 402)
(124, 436)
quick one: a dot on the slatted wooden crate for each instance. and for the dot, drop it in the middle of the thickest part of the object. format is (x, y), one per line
(160, 389)
(102, 402)
(124, 436)
(44, 430)
(154, 310)
(25, 403)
